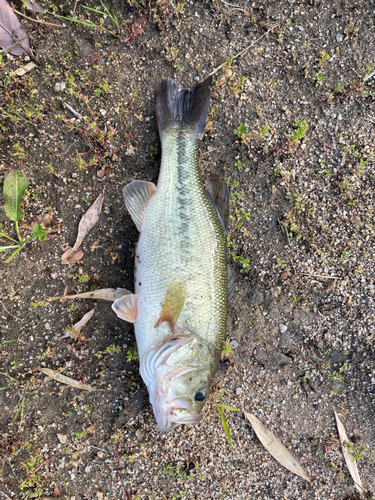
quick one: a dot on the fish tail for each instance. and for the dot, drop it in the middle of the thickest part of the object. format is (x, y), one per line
(181, 108)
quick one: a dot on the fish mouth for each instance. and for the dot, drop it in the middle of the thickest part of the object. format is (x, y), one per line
(169, 414)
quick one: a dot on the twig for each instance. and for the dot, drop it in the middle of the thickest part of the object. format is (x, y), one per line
(367, 77)
(244, 50)
(75, 113)
(285, 231)
(15, 317)
(6, 496)
(368, 119)
(323, 276)
(36, 20)
(235, 7)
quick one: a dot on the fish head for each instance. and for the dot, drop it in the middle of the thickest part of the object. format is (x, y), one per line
(179, 376)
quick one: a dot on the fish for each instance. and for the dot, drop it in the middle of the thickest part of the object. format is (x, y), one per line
(179, 306)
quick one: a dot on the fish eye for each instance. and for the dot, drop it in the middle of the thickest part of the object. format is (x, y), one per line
(200, 395)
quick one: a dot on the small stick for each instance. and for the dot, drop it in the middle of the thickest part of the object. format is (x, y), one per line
(36, 20)
(245, 49)
(235, 7)
(284, 229)
(75, 113)
(322, 276)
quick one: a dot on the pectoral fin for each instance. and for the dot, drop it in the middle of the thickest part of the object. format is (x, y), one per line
(126, 307)
(173, 303)
(137, 196)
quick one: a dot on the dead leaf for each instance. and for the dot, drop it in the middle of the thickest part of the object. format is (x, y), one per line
(65, 380)
(71, 256)
(130, 151)
(34, 6)
(139, 25)
(349, 458)
(110, 294)
(56, 492)
(274, 446)
(139, 117)
(73, 332)
(22, 70)
(44, 220)
(12, 35)
(84, 320)
(88, 221)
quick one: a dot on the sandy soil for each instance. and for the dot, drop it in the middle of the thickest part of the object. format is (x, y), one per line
(291, 128)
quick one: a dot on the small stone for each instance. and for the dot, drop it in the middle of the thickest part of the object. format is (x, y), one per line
(339, 38)
(99, 494)
(87, 469)
(47, 326)
(233, 344)
(239, 391)
(100, 454)
(60, 86)
(283, 328)
(62, 438)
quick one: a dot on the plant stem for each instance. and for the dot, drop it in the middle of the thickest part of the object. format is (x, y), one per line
(18, 233)
(9, 246)
(13, 254)
(9, 238)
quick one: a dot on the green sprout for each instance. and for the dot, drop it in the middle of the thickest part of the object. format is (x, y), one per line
(15, 185)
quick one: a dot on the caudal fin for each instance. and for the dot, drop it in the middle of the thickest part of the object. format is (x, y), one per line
(177, 107)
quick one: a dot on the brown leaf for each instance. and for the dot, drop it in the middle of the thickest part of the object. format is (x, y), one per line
(84, 320)
(22, 70)
(349, 458)
(274, 446)
(34, 7)
(65, 380)
(12, 32)
(88, 221)
(110, 294)
(71, 256)
(56, 492)
(139, 25)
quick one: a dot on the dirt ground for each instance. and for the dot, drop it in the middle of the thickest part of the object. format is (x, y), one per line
(291, 128)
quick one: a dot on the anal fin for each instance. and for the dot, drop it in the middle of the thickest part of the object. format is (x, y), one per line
(126, 307)
(137, 196)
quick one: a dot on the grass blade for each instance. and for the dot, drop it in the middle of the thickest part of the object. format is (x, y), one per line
(227, 407)
(225, 425)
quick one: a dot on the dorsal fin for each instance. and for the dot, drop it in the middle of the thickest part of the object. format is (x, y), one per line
(218, 192)
(137, 196)
(173, 302)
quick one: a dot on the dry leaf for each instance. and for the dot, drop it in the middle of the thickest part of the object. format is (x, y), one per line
(71, 256)
(65, 380)
(12, 35)
(84, 320)
(139, 25)
(22, 70)
(130, 151)
(274, 446)
(349, 458)
(77, 326)
(34, 7)
(110, 294)
(88, 221)
(44, 220)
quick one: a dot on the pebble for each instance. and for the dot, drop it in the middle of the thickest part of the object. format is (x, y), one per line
(60, 86)
(283, 328)
(339, 38)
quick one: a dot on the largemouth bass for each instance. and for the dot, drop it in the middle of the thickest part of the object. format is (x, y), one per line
(179, 308)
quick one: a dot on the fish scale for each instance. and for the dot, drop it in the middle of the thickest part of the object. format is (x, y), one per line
(181, 237)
